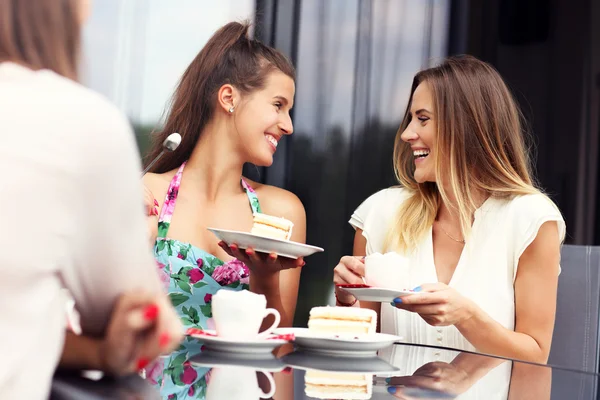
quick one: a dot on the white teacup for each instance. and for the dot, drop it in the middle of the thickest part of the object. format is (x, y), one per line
(239, 314)
(237, 383)
(387, 271)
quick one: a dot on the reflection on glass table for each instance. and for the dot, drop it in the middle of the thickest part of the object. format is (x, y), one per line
(405, 371)
(75, 385)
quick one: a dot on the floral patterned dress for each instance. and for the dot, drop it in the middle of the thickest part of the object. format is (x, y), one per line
(191, 276)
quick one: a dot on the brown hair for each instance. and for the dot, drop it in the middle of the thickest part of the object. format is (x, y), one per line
(480, 146)
(229, 57)
(41, 34)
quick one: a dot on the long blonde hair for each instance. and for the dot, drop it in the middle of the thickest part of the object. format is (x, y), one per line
(479, 148)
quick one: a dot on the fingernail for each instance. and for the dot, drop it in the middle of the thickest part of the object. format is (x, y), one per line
(249, 252)
(287, 370)
(398, 300)
(392, 304)
(142, 362)
(303, 263)
(164, 340)
(417, 289)
(233, 247)
(273, 256)
(155, 203)
(392, 390)
(388, 380)
(151, 312)
(155, 211)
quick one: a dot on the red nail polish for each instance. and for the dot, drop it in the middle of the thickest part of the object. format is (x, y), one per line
(303, 263)
(155, 203)
(164, 340)
(142, 362)
(155, 211)
(151, 312)
(249, 252)
(233, 247)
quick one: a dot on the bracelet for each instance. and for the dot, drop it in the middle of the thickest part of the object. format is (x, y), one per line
(342, 303)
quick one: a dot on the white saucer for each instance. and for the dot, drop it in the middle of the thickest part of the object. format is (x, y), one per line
(241, 348)
(321, 362)
(284, 248)
(211, 359)
(364, 345)
(379, 295)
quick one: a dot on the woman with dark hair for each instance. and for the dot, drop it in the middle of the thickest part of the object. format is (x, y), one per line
(77, 152)
(231, 107)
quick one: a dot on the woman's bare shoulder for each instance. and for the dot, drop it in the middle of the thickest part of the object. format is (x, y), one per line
(277, 201)
(158, 183)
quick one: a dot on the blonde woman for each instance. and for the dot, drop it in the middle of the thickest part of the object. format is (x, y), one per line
(482, 242)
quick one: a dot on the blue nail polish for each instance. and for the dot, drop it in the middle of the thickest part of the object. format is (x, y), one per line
(392, 390)
(398, 300)
(417, 289)
(392, 304)
(388, 380)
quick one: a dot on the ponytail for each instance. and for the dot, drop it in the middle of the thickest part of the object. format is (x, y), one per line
(229, 57)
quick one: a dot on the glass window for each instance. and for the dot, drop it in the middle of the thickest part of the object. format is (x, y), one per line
(356, 61)
(135, 51)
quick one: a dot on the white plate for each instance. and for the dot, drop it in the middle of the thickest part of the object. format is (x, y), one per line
(321, 362)
(211, 359)
(380, 295)
(363, 345)
(284, 248)
(241, 348)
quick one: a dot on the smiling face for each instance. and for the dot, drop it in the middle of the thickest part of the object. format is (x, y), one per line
(421, 133)
(263, 118)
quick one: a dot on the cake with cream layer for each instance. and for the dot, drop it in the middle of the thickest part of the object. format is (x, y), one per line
(342, 320)
(337, 385)
(272, 227)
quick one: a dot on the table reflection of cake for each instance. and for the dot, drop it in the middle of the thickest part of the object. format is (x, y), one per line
(337, 385)
(342, 320)
(272, 227)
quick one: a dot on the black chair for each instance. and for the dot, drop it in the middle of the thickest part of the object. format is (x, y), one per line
(576, 342)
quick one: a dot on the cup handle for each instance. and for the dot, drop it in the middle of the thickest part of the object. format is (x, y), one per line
(271, 391)
(268, 331)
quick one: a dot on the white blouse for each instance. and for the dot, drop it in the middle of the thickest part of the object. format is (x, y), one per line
(485, 273)
(72, 216)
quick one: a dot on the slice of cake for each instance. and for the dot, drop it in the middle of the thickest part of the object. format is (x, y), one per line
(338, 385)
(272, 227)
(342, 320)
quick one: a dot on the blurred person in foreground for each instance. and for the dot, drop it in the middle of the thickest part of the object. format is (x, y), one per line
(72, 213)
